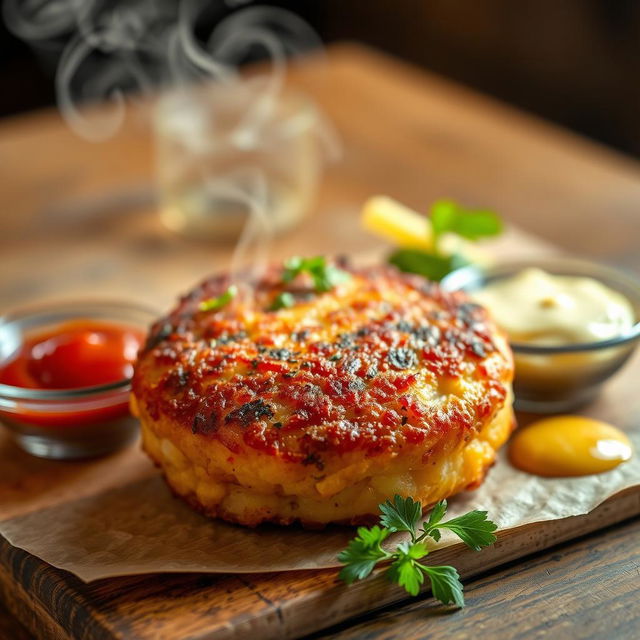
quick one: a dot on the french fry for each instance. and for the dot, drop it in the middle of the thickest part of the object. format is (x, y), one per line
(396, 223)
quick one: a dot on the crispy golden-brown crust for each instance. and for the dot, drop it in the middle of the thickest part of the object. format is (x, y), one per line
(318, 412)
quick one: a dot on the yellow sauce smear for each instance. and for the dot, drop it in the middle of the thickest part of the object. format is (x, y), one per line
(565, 446)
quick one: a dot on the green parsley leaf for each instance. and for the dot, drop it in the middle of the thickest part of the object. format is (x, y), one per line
(431, 266)
(473, 528)
(374, 536)
(445, 584)
(294, 266)
(284, 300)
(435, 517)
(401, 514)
(213, 304)
(448, 216)
(437, 512)
(325, 276)
(328, 277)
(405, 571)
(363, 553)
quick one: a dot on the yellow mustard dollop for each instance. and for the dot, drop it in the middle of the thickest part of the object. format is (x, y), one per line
(565, 446)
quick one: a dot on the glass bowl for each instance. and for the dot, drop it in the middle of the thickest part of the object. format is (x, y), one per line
(68, 423)
(227, 153)
(559, 378)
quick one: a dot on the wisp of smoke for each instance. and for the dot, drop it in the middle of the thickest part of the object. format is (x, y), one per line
(114, 51)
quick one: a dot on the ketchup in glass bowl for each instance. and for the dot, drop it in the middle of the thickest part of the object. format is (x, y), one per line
(65, 375)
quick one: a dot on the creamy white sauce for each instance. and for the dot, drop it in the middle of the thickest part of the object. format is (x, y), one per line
(541, 308)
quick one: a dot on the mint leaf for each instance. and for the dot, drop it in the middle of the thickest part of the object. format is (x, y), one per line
(431, 266)
(363, 553)
(443, 214)
(401, 514)
(445, 584)
(473, 528)
(213, 304)
(448, 216)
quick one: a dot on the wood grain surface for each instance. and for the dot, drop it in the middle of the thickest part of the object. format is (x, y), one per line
(79, 218)
(580, 590)
(266, 606)
(10, 628)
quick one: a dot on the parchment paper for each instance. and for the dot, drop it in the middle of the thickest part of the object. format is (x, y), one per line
(142, 528)
(115, 516)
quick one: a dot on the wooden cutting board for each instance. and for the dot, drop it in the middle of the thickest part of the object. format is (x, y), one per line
(73, 209)
(55, 604)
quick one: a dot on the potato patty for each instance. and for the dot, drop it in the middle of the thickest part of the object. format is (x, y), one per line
(318, 412)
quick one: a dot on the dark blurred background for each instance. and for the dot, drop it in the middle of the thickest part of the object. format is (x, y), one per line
(575, 62)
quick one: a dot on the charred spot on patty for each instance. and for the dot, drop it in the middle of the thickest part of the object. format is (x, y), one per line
(204, 423)
(279, 354)
(313, 459)
(250, 412)
(402, 358)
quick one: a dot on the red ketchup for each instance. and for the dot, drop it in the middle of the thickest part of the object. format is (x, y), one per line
(76, 354)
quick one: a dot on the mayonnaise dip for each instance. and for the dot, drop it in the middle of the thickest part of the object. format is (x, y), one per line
(537, 307)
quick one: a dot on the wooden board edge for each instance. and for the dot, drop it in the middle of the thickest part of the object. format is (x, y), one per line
(28, 584)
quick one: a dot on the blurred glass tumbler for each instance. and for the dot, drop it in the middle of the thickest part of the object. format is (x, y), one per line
(216, 144)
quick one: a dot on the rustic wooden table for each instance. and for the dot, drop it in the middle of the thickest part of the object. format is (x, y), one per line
(78, 217)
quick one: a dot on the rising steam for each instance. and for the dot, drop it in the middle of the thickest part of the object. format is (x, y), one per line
(112, 49)
(115, 51)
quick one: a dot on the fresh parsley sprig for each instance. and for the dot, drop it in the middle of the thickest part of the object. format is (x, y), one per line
(447, 216)
(213, 304)
(325, 276)
(283, 300)
(365, 551)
